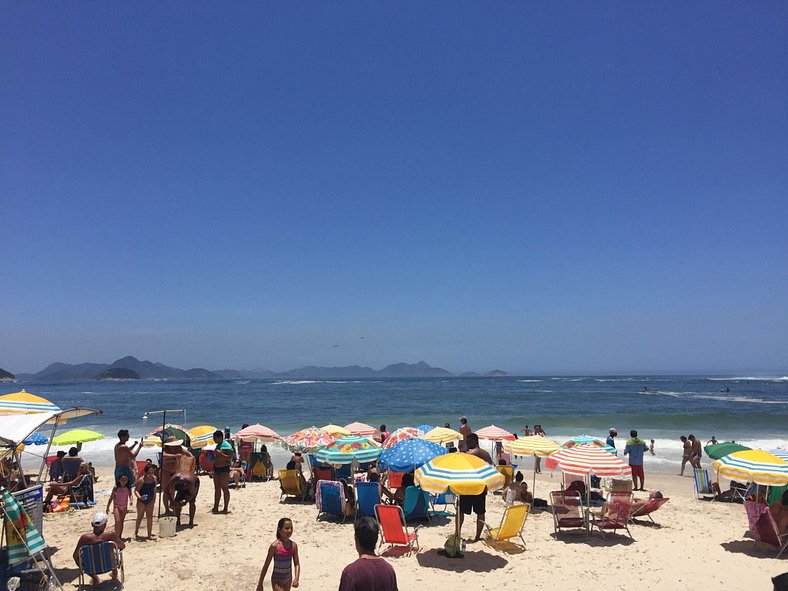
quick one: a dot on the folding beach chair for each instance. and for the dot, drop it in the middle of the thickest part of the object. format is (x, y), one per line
(393, 529)
(291, 485)
(367, 496)
(615, 513)
(98, 559)
(512, 523)
(567, 510)
(647, 509)
(763, 527)
(331, 499)
(445, 498)
(82, 493)
(344, 471)
(416, 504)
(394, 480)
(703, 489)
(322, 473)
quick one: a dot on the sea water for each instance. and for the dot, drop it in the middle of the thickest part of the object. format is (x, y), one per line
(750, 410)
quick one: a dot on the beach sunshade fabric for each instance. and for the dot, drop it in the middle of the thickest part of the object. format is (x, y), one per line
(494, 433)
(442, 435)
(16, 428)
(588, 441)
(582, 460)
(716, 451)
(201, 435)
(335, 430)
(308, 440)
(754, 465)
(36, 439)
(460, 473)
(425, 428)
(533, 445)
(780, 453)
(410, 454)
(400, 435)
(349, 448)
(176, 432)
(21, 536)
(152, 441)
(24, 402)
(361, 429)
(257, 432)
(76, 436)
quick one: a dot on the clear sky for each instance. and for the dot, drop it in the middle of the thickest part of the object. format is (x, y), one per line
(579, 187)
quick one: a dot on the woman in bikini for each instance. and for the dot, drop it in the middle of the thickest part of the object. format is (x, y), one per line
(284, 553)
(145, 491)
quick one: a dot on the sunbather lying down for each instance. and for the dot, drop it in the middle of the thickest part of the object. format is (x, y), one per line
(638, 504)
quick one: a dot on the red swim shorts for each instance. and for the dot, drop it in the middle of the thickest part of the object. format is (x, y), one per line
(637, 470)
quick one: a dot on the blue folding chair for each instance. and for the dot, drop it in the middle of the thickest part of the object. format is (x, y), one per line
(344, 471)
(367, 496)
(98, 559)
(445, 498)
(416, 504)
(330, 499)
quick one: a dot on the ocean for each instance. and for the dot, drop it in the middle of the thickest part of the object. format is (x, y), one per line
(749, 410)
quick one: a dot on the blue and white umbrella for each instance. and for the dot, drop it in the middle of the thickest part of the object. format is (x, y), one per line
(410, 454)
(425, 428)
(36, 439)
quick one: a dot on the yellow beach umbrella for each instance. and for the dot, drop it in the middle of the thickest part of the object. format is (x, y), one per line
(532, 446)
(753, 465)
(335, 430)
(151, 441)
(461, 473)
(24, 402)
(442, 435)
(201, 435)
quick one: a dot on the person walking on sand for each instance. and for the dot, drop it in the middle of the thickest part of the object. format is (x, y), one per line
(686, 452)
(121, 498)
(223, 455)
(145, 493)
(125, 457)
(465, 430)
(635, 449)
(284, 553)
(696, 452)
(477, 503)
(538, 432)
(369, 571)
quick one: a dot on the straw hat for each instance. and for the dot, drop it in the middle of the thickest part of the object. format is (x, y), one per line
(172, 441)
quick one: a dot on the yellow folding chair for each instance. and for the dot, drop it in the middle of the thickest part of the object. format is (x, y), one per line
(291, 485)
(512, 523)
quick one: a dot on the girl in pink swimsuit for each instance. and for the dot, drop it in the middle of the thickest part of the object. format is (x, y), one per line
(284, 553)
(120, 497)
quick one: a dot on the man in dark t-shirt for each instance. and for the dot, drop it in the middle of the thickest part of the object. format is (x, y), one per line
(369, 572)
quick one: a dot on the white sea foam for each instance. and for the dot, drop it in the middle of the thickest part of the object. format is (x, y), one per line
(297, 382)
(530, 381)
(241, 382)
(751, 379)
(739, 399)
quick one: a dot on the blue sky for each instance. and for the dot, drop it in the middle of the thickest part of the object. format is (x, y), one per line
(574, 188)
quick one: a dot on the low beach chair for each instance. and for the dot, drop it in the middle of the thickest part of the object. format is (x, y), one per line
(416, 504)
(647, 509)
(330, 499)
(703, 488)
(394, 480)
(99, 559)
(393, 528)
(615, 514)
(445, 498)
(568, 511)
(322, 473)
(82, 493)
(512, 524)
(763, 527)
(344, 471)
(291, 485)
(367, 496)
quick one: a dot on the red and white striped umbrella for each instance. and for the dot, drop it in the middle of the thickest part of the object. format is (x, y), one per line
(589, 460)
(493, 433)
(361, 429)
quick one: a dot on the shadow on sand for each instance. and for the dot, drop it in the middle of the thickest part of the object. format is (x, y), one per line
(474, 561)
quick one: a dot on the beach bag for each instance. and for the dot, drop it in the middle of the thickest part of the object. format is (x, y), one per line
(452, 546)
(540, 503)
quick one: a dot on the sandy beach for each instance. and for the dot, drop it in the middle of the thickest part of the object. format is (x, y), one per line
(696, 544)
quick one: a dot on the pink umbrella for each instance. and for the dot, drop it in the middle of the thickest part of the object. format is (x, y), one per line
(582, 461)
(257, 432)
(361, 429)
(401, 435)
(493, 433)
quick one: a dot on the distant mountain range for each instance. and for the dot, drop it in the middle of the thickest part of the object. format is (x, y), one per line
(132, 368)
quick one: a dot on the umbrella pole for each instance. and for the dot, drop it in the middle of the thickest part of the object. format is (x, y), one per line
(46, 454)
(533, 486)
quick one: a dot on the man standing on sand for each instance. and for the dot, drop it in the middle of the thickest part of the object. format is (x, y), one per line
(369, 571)
(99, 523)
(465, 429)
(125, 457)
(611, 438)
(696, 452)
(223, 456)
(182, 488)
(477, 503)
(635, 449)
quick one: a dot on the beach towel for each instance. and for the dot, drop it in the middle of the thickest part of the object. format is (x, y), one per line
(22, 537)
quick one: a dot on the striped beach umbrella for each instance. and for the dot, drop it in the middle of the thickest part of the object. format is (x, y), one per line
(442, 435)
(754, 465)
(582, 461)
(308, 440)
(533, 445)
(460, 473)
(588, 441)
(335, 430)
(410, 454)
(400, 435)
(347, 449)
(716, 451)
(780, 453)
(361, 429)
(201, 435)
(24, 402)
(23, 539)
(493, 433)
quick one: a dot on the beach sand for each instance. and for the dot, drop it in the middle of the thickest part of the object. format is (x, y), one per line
(697, 544)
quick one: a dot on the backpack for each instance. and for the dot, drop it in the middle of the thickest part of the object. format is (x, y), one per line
(452, 546)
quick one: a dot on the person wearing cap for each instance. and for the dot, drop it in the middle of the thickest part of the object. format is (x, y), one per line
(223, 455)
(171, 457)
(125, 457)
(611, 441)
(98, 535)
(465, 429)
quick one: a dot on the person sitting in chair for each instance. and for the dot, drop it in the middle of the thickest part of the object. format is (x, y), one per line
(62, 488)
(237, 473)
(638, 504)
(98, 535)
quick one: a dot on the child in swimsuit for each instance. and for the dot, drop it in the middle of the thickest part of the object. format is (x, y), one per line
(284, 553)
(120, 497)
(145, 491)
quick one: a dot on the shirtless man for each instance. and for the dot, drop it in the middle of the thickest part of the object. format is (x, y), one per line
(98, 535)
(223, 455)
(125, 457)
(696, 451)
(476, 502)
(182, 488)
(171, 462)
(686, 453)
(465, 429)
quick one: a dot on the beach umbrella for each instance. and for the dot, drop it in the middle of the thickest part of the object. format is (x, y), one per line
(588, 441)
(335, 430)
(361, 429)
(442, 435)
(532, 445)
(754, 465)
(158, 430)
(175, 431)
(24, 402)
(493, 433)
(780, 453)
(400, 435)
(584, 461)
(77, 437)
(152, 441)
(308, 440)
(718, 450)
(425, 428)
(409, 454)
(201, 435)
(347, 449)
(257, 432)
(36, 439)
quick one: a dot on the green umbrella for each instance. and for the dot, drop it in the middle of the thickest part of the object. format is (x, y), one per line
(719, 450)
(77, 437)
